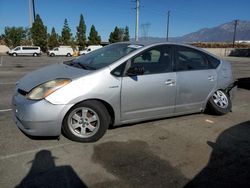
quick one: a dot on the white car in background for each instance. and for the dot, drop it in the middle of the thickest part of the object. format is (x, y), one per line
(90, 49)
(61, 51)
(25, 50)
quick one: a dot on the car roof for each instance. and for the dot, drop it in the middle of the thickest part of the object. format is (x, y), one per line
(148, 44)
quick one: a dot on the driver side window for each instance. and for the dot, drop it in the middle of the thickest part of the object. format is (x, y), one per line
(154, 61)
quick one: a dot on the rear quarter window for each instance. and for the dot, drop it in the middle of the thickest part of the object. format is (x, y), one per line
(213, 63)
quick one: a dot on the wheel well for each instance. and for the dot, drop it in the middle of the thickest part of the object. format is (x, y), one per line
(108, 107)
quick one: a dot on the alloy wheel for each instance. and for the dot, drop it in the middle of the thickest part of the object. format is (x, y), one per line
(220, 99)
(83, 122)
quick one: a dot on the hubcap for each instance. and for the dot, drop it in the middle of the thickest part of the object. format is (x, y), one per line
(220, 99)
(83, 122)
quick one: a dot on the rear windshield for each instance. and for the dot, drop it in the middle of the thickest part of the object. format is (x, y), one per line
(105, 56)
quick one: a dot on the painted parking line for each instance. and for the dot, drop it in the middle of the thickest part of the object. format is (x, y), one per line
(6, 110)
(33, 151)
(8, 83)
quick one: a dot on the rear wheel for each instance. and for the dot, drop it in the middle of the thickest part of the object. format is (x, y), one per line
(219, 103)
(68, 55)
(86, 121)
(35, 54)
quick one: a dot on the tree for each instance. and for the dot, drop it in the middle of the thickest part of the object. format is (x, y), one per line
(13, 36)
(66, 33)
(94, 38)
(39, 33)
(126, 34)
(53, 39)
(116, 35)
(81, 33)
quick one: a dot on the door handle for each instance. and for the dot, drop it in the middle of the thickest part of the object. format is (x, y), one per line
(170, 82)
(211, 78)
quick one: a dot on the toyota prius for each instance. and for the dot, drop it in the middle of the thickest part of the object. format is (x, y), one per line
(118, 84)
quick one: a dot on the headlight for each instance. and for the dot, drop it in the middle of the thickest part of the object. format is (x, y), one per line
(45, 89)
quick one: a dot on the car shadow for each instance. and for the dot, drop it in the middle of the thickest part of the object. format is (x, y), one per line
(244, 83)
(40, 137)
(44, 173)
(229, 162)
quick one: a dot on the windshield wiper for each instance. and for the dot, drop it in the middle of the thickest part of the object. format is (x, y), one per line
(83, 66)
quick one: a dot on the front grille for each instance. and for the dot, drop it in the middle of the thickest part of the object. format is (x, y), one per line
(22, 92)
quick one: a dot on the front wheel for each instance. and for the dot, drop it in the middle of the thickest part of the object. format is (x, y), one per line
(68, 55)
(86, 122)
(219, 103)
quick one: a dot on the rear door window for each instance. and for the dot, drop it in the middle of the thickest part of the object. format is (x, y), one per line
(213, 63)
(189, 59)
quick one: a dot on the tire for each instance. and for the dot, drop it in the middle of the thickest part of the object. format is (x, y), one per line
(52, 54)
(219, 103)
(35, 55)
(14, 54)
(86, 121)
(68, 55)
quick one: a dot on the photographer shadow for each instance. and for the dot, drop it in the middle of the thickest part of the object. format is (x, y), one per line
(229, 164)
(44, 173)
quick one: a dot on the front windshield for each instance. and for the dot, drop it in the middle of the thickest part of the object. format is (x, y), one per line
(17, 48)
(104, 56)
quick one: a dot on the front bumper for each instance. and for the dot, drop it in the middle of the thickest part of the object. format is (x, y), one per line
(38, 118)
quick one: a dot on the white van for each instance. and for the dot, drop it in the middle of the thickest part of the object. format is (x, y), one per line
(62, 51)
(25, 50)
(90, 49)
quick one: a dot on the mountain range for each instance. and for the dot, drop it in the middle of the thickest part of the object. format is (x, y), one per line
(221, 33)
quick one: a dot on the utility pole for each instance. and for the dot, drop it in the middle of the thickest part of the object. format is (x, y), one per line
(34, 10)
(168, 15)
(235, 26)
(137, 21)
(30, 13)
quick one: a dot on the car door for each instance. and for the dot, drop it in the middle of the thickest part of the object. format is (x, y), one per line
(151, 94)
(195, 79)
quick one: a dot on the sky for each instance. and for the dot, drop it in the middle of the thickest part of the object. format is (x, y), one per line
(186, 16)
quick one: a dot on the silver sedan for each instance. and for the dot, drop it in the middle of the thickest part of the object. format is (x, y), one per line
(120, 83)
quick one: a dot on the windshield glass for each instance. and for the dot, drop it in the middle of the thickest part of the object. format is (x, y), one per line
(104, 56)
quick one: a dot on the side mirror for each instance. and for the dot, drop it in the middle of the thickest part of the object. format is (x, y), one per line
(134, 71)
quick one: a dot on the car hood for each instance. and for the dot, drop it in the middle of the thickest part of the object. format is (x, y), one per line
(48, 73)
